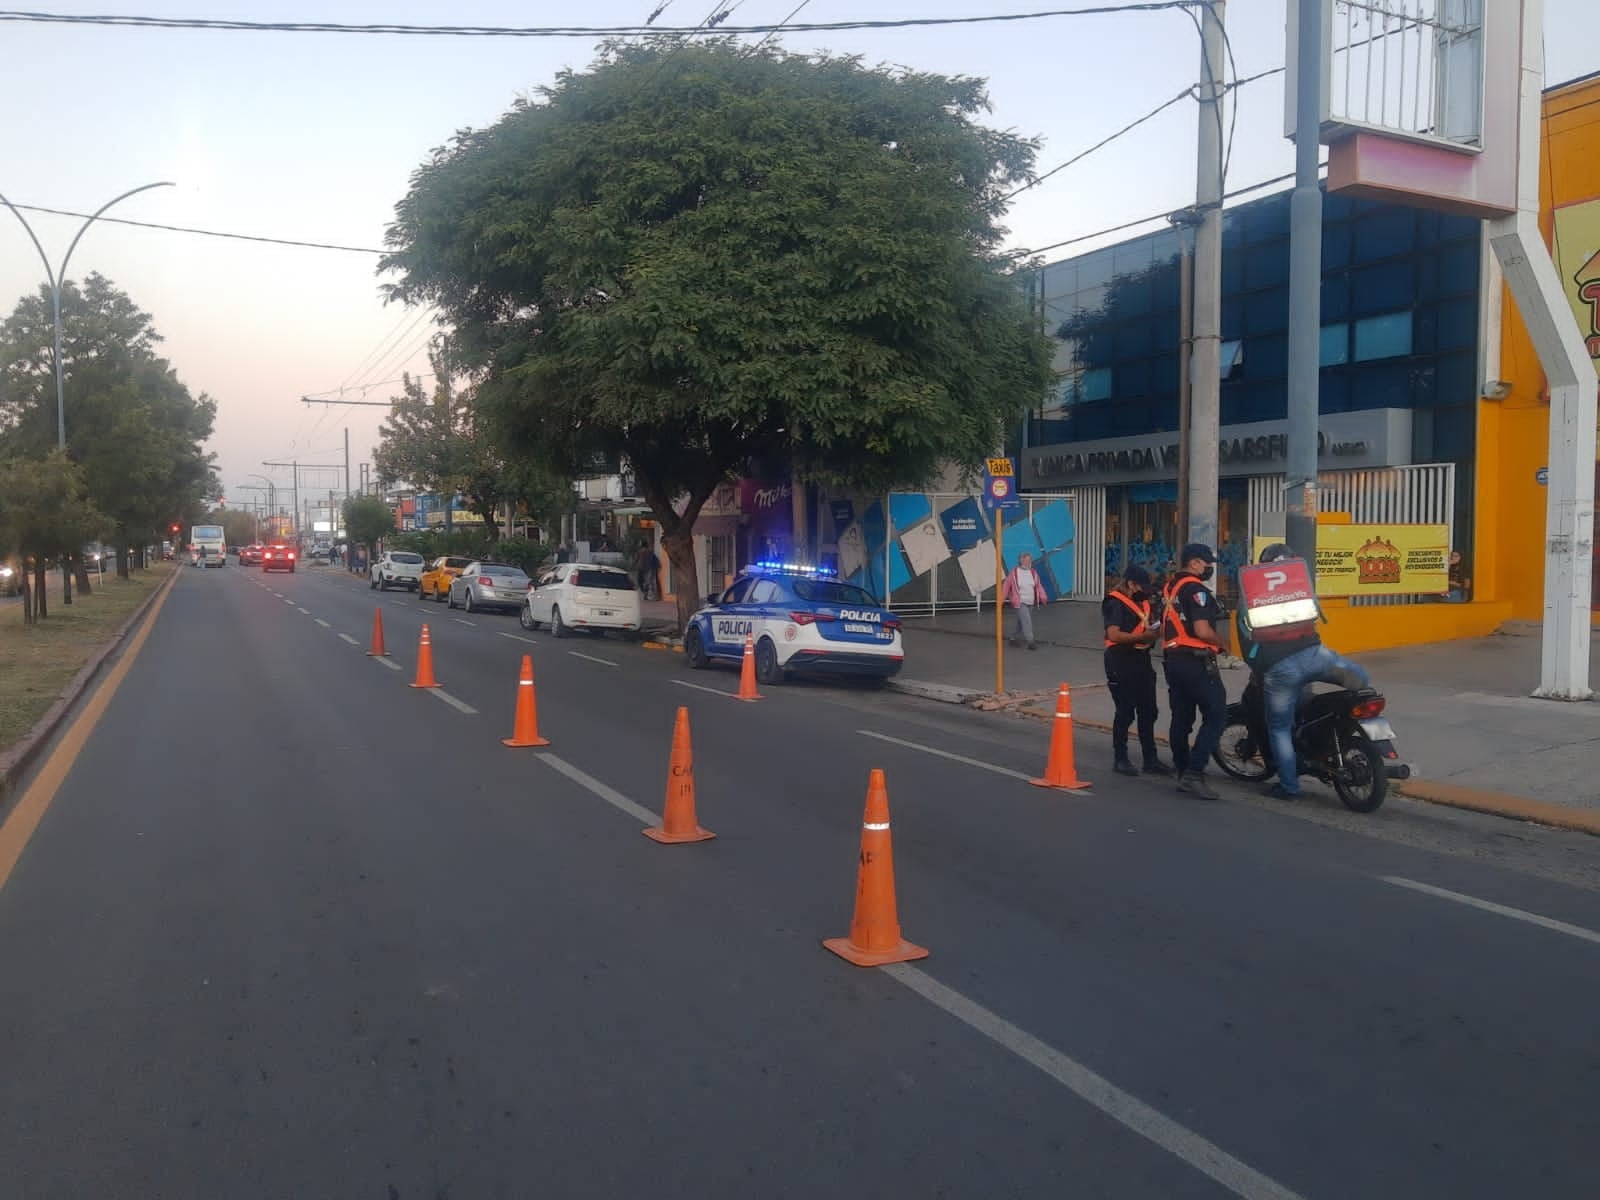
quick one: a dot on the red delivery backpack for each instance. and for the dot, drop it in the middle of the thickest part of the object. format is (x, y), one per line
(1279, 602)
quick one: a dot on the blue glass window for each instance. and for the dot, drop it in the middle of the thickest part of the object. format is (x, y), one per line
(1381, 289)
(1267, 312)
(1266, 265)
(1095, 385)
(1387, 336)
(1231, 359)
(1334, 345)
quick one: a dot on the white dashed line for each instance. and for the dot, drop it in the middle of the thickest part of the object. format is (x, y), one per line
(517, 637)
(1516, 914)
(605, 662)
(288, 601)
(387, 662)
(1206, 1157)
(346, 637)
(321, 622)
(460, 706)
(960, 758)
(464, 621)
(307, 611)
(610, 795)
(700, 687)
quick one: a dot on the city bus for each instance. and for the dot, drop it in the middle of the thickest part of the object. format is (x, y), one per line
(207, 548)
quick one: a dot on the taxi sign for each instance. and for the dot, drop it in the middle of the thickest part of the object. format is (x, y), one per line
(999, 490)
(999, 468)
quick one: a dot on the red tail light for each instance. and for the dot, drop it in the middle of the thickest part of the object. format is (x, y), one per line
(807, 618)
(291, 554)
(891, 622)
(1368, 708)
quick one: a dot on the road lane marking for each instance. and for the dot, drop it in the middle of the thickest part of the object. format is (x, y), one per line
(346, 637)
(401, 603)
(1516, 914)
(17, 829)
(700, 687)
(460, 706)
(1178, 1140)
(610, 795)
(387, 662)
(307, 611)
(288, 601)
(517, 637)
(603, 661)
(464, 621)
(960, 758)
(321, 622)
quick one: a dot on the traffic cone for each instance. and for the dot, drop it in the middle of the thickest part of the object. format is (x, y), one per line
(377, 650)
(875, 929)
(1060, 771)
(677, 817)
(747, 673)
(425, 677)
(525, 730)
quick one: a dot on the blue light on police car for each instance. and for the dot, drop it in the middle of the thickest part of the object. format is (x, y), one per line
(783, 568)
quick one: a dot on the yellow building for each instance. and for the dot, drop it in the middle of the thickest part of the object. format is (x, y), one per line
(1514, 414)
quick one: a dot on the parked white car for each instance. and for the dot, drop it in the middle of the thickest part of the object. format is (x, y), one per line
(582, 596)
(395, 568)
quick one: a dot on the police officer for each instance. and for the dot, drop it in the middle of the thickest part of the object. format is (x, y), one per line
(1131, 631)
(1190, 641)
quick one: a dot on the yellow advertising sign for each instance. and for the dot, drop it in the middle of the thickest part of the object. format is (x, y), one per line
(1379, 560)
(1000, 468)
(1578, 263)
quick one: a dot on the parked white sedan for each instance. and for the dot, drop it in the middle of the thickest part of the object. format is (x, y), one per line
(582, 596)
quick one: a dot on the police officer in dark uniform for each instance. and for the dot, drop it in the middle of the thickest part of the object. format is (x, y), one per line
(1191, 639)
(1132, 626)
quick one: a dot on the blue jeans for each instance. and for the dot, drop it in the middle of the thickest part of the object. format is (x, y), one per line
(1283, 682)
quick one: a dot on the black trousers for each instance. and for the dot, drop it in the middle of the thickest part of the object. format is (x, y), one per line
(1132, 679)
(1194, 685)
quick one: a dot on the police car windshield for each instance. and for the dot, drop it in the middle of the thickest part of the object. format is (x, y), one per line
(830, 591)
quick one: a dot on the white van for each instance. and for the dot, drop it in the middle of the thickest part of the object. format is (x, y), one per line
(207, 548)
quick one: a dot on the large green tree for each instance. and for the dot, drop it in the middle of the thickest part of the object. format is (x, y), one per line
(690, 256)
(367, 520)
(132, 425)
(44, 514)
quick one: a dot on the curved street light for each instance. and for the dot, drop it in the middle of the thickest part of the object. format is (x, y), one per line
(58, 277)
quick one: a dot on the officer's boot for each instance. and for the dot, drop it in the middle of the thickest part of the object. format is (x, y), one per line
(1196, 784)
(1122, 766)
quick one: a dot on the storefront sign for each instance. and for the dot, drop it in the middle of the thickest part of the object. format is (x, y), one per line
(1376, 438)
(1577, 243)
(1378, 560)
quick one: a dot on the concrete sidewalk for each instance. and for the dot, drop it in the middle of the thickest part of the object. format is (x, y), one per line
(1461, 710)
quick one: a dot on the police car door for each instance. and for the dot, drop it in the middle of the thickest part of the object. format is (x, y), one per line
(730, 620)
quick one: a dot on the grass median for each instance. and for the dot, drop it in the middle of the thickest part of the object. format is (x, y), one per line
(38, 661)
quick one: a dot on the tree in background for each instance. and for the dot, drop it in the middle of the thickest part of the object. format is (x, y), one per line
(132, 424)
(443, 443)
(690, 257)
(44, 514)
(367, 521)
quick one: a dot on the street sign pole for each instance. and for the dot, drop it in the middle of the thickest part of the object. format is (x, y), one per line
(999, 494)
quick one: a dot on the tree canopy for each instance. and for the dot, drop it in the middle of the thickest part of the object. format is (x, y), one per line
(690, 256)
(132, 426)
(367, 519)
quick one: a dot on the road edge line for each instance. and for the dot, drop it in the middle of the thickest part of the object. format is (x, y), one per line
(15, 761)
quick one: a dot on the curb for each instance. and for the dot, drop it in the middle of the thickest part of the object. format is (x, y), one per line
(19, 758)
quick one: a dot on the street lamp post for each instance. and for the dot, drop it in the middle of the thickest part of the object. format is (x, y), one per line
(57, 278)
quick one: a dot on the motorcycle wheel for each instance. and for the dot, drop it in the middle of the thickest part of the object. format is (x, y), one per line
(1237, 752)
(1364, 782)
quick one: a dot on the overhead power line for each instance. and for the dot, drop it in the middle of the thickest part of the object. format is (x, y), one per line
(567, 31)
(216, 233)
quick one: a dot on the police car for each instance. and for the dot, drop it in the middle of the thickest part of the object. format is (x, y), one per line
(803, 620)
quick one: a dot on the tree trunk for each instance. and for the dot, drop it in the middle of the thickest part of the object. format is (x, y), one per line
(491, 527)
(122, 562)
(80, 568)
(41, 601)
(66, 580)
(679, 545)
(25, 591)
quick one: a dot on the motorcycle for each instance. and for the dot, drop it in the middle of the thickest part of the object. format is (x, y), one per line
(1342, 738)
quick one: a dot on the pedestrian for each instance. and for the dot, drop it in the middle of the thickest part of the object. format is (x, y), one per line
(1460, 579)
(1191, 642)
(1023, 590)
(1131, 630)
(645, 564)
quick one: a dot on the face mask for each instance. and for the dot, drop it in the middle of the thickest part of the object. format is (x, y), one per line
(1208, 572)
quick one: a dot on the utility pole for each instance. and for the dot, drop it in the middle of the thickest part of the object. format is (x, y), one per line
(347, 462)
(1305, 285)
(1205, 374)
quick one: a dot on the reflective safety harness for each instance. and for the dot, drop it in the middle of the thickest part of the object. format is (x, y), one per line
(1175, 633)
(1142, 611)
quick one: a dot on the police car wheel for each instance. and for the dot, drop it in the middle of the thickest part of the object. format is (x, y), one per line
(767, 668)
(694, 649)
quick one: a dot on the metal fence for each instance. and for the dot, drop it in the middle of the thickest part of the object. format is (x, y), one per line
(1424, 494)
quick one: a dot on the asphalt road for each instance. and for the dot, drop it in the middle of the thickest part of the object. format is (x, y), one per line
(293, 929)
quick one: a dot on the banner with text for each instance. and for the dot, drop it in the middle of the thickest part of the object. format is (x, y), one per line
(1378, 560)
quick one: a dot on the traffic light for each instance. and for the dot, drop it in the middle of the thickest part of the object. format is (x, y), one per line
(174, 529)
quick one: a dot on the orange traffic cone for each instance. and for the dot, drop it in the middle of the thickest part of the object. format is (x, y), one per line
(425, 677)
(747, 673)
(875, 929)
(525, 730)
(677, 818)
(1060, 771)
(377, 650)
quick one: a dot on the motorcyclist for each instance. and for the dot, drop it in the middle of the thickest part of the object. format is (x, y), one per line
(1284, 669)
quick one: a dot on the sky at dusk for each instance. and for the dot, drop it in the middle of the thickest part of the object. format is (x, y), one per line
(313, 137)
